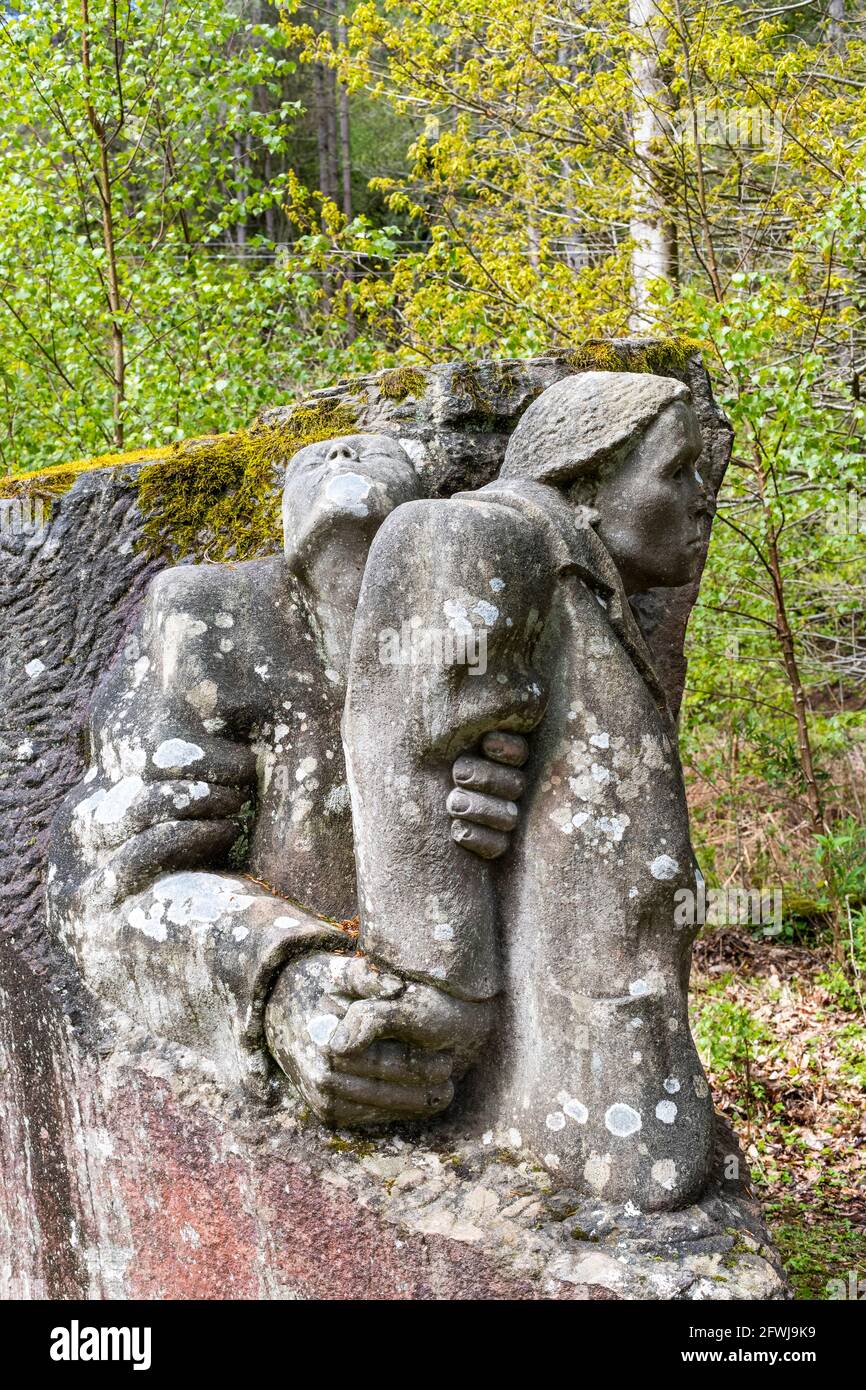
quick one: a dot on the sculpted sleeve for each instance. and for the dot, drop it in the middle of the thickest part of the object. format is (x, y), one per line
(447, 620)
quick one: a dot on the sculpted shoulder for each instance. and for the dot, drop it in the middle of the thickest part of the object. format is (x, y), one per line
(206, 591)
(471, 533)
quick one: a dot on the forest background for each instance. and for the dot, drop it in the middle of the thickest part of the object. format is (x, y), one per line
(209, 208)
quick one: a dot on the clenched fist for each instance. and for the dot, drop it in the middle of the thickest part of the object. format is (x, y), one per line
(365, 1047)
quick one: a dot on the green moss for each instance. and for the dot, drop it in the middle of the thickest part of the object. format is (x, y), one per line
(465, 379)
(49, 483)
(361, 1148)
(396, 385)
(220, 497)
(599, 356)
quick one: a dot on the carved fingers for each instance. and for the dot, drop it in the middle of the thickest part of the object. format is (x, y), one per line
(114, 821)
(421, 1015)
(505, 747)
(170, 846)
(362, 1046)
(398, 1062)
(487, 787)
(346, 1099)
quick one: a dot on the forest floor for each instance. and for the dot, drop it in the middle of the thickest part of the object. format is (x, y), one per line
(787, 1063)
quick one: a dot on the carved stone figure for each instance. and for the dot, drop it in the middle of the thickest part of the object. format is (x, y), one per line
(592, 1064)
(218, 730)
(528, 932)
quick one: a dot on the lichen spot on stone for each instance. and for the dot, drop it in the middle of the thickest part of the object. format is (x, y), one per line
(458, 617)
(555, 1120)
(497, 585)
(638, 988)
(574, 1109)
(139, 671)
(176, 752)
(115, 804)
(224, 620)
(596, 1171)
(322, 1028)
(666, 1111)
(622, 1120)
(487, 612)
(349, 492)
(664, 868)
(664, 1172)
(671, 1085)
(150, 923)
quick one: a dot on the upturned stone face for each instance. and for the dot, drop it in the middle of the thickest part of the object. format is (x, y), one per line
(440, 714)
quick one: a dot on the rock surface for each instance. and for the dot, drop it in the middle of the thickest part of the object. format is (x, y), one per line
(129, 1175)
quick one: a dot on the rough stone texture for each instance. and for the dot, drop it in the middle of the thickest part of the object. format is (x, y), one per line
(126, 1174)
(67, 596)
(128, 1177)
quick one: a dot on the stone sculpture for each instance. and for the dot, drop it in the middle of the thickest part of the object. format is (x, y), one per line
(227, 697)
(520, 825)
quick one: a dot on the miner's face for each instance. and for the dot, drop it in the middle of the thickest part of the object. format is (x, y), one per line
(341, 491)
(652, 506)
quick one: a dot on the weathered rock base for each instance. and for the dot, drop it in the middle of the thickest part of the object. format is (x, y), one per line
(129, 1176)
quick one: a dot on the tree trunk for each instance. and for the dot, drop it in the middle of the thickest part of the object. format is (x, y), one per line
(319, 88)
(103, 183)
(346, 168)
(333, 146)
(785, 635)
(836, 26)
(653, 231)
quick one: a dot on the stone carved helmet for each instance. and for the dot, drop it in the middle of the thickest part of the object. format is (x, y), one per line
(583, 422)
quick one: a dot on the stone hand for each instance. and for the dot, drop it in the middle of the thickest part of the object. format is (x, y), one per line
(362, 1046)
(486, 789)
(183, 820)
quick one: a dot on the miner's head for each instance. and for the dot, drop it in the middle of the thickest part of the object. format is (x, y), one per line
(623, 447)
(338, 493)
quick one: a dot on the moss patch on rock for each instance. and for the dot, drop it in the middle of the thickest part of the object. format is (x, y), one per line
(596, 355)
(49, 483)
(401, 382)
(220, 497)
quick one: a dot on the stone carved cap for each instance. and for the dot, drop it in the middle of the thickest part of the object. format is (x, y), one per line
(584, 421)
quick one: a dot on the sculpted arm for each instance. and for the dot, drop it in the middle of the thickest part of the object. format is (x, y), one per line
(446, 623)
(140, 890)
